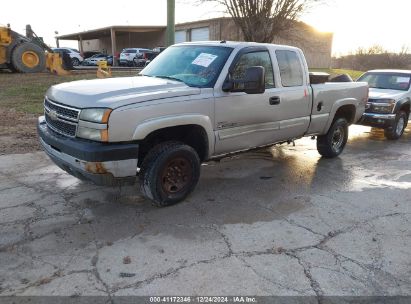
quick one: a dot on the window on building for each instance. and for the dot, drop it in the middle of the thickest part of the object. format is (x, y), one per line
(291, 71)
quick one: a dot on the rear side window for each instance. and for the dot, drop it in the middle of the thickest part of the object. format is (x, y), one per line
(261, 58)
(291, 71)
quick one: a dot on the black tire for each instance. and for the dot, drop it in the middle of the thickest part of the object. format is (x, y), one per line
(11, 68)
(333, 143)
(169, 173)
(398, 128)
(35, 54)
(75, 61)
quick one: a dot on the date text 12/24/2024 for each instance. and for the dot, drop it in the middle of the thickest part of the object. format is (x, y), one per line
(203, 299)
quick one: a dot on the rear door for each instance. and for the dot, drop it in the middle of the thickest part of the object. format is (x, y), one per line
(294, 93)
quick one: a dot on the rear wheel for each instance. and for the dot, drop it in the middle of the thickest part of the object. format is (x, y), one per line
(28, 58)
(169, 173)
(333, 143)
(398, 128)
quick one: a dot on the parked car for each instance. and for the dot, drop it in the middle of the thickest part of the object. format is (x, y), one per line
(127, 55)
(76, 58)
(144, 58)
(88, 54)
(93, 60)
(109, 59)
(389, 102)
(159, 49)
(195, 102)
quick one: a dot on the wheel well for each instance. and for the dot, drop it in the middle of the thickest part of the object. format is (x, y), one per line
(406, 109)
(192, 135)
(347, 112)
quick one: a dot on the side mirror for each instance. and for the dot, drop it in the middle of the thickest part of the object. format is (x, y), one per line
(254, 80)
(252, 83)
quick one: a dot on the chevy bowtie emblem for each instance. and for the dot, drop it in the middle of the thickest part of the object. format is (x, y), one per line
(53, 115)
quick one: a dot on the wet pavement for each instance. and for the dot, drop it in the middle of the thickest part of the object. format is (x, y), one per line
(279, 221)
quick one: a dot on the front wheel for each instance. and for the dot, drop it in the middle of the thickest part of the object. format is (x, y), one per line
(398, 128)
(169, 173)
(28, 57)
(332, 144)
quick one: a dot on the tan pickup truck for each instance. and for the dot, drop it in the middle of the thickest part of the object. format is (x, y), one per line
(194, 102)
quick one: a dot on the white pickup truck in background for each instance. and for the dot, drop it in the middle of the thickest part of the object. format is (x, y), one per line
(193, 103)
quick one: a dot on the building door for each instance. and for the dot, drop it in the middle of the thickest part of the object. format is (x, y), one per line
(200, 34)
(180, 36)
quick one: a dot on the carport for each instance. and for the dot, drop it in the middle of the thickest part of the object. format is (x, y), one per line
(115, 38)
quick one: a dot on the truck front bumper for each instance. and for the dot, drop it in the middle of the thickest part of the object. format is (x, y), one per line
(384, 121)
(101, 163)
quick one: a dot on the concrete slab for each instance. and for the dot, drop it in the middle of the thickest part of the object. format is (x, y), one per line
(279, 221)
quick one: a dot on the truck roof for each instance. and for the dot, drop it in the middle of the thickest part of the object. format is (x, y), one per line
(237, 44)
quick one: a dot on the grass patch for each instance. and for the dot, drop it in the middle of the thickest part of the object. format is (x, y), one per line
(353, 73)
(24, 93)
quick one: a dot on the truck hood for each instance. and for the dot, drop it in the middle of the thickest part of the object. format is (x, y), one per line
(386, 94)
(117, 92)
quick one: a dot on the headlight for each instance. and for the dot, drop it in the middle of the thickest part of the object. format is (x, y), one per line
(92, 134)
(383, 105)
(99, 115)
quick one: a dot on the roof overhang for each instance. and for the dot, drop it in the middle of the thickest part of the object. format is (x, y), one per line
(106, 32)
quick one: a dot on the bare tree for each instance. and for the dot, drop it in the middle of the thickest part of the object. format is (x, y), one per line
(262, 20)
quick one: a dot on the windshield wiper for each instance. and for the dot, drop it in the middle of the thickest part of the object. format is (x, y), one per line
(381, 88)
(169, 77)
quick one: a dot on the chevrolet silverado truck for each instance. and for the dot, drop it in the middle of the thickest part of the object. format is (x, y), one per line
(389, 102)
(194, 102)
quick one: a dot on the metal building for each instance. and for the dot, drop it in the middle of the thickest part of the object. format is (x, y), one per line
(316, 45)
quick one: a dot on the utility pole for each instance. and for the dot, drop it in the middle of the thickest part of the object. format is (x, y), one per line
(171, 7)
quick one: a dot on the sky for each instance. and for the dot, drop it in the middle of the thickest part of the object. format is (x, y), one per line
(355, 23)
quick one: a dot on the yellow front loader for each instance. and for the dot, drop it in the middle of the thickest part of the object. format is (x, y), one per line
(21, 54)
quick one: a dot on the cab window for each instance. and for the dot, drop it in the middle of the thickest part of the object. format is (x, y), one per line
(291, 72)
(261, 58)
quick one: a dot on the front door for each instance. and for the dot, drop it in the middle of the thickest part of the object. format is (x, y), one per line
(244, 121)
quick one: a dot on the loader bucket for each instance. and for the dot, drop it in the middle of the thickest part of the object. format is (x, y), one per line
(54, 64)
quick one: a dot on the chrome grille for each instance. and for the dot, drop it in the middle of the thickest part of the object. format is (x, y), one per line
(63, 111)
(61, 127)
(61, 119)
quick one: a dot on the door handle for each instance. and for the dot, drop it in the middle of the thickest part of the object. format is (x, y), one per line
(275, 100)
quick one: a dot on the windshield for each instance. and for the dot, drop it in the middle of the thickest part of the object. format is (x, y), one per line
(129, 51)
(195, 65)
(387, 81)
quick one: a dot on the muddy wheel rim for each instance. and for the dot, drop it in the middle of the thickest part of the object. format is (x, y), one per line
(176, 175)
(338, 138)
(30, 59)
(400, 125)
